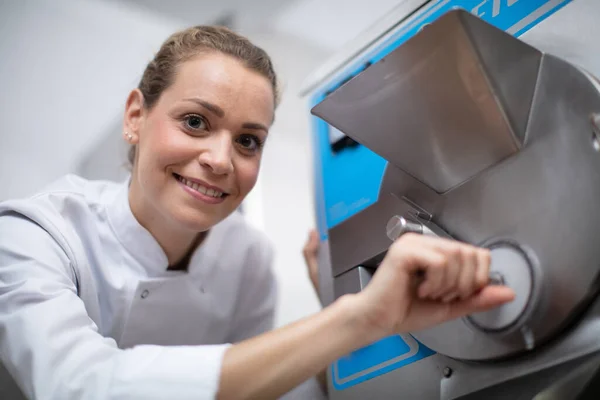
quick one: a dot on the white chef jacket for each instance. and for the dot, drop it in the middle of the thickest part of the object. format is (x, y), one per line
(88, 309)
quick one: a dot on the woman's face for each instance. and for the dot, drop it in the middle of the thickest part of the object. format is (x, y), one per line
(200, 146)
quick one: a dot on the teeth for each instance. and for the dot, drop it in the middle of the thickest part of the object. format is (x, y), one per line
(200, 188)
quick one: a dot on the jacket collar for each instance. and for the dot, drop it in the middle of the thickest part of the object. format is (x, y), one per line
(138, 241)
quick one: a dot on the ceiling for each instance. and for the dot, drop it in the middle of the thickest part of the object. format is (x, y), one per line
(244, 14)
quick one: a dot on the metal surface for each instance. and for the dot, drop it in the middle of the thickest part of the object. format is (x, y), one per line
(441, 71)
(511, 266)
(523, 377)
(543, 198)
(398, 226)
(492, 197)
(362, 240)
(352, 281)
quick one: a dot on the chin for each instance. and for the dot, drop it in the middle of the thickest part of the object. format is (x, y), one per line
(198, 220)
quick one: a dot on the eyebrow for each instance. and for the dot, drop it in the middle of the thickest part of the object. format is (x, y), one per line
(218, 111)
(215, 109)
(253, 125)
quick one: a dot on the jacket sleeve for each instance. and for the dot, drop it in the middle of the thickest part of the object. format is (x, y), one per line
(52, 348)
(255, 309)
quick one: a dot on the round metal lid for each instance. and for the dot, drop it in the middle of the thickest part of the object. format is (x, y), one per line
(509, 266)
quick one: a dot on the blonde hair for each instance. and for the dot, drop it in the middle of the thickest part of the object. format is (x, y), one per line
(186, 44)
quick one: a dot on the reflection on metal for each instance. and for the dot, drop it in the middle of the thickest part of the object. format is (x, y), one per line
(441, 93)
(488, 142)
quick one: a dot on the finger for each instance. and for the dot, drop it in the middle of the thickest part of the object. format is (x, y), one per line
(451, 277)
(311, 246)
(438, 243)
(413, 251)
(435, 277)
(482, 272)
(312, 243)
(450, 297)
(412, 255)
(488, 298)
(466, 281)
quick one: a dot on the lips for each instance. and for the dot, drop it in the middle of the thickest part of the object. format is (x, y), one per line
(202, 187)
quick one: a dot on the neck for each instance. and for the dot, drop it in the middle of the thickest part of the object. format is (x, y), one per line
(174, 240)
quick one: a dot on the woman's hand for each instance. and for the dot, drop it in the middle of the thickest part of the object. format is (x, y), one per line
(310, 252)
(424, 281)
(421, 282)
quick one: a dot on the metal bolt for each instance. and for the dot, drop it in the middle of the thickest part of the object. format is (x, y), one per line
(447, 372)
(496, 278)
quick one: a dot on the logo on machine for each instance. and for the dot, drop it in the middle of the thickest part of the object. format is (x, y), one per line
(496, 5)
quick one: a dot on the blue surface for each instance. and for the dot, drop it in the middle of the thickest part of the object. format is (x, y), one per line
(349, 181)
(373, 358)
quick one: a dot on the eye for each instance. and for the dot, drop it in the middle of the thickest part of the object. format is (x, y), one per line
(195, 122)
(249, 142)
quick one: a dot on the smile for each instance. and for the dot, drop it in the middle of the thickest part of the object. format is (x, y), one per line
(206, 191)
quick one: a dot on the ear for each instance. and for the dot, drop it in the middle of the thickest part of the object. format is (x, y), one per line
(134, 116)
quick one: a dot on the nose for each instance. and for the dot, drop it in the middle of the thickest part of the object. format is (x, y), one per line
(217, 155)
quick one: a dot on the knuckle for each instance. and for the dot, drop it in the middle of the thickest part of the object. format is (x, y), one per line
(441, 264)
(395, 249)
(455, 251)
(408, 237)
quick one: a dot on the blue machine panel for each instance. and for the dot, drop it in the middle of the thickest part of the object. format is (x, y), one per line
(348, 177)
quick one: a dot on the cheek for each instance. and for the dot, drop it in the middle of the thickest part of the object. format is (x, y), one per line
(247, 173)
(167, 144)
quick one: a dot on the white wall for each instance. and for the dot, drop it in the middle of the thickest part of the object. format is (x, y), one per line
(330, 24)
(66, 69)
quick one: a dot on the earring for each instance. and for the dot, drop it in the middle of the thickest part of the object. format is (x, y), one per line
(129, 136)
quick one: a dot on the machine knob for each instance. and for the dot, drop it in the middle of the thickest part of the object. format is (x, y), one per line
(511, 267)
(398, 226)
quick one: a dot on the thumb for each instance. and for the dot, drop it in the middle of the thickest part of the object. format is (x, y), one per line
(488, 298)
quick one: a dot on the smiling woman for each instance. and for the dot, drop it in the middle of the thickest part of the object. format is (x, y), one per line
(156, 288)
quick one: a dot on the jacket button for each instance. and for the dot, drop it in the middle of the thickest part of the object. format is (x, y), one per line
(145, 294)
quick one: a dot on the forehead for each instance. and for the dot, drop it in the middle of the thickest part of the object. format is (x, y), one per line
(225, 82)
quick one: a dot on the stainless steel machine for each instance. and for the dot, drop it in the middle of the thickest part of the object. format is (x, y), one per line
(454, 126)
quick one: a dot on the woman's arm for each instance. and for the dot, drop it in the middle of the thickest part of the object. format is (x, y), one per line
(395, 301)
(53, 349)
(269, 365)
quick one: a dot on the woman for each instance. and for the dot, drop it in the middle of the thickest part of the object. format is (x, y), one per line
(156, 288)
